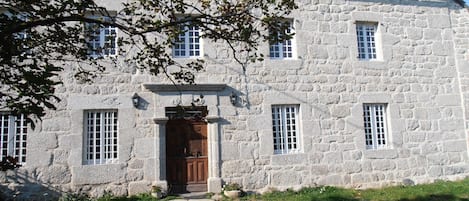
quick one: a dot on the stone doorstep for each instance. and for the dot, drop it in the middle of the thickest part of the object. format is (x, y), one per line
(200, 196)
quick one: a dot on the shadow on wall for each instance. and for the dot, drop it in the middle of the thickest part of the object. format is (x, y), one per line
(17, 185)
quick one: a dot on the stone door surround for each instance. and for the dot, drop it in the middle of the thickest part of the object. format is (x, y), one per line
(168, 95)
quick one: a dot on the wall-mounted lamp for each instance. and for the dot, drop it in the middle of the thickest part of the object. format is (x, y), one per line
(233, 98)
(135, 100)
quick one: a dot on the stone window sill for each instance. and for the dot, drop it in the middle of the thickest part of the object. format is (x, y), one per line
(380, 153)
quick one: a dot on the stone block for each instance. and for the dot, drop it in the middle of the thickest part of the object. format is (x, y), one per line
(402, 165)
(144, 147)
(360, 178)
(56, 174)
(249, 151)
(429, 148)
(256, 180)
(432, 34)
(414, 33)
(288, 159)
(421, 113)
(136, 164)
(100, 102)
(60, 156)
(42, 141)
(98, 174)
(455, 146)
(139, 187)
(318, 52)
(62, 124)
(333, 158)
(236, 168)
(451, 125)
(383, 165)
(68, 142)
(340, 111)
(435, 171)
(352, 167)
(266, 147)
(38, 158)
(214, 184)
(331, 180)
(134, 175)
(256, 123)
(455, 169)
(229, 150)
(381, 154)
(285, 178)
(437, 159)
(150, 168)
(442, 49)
(439, 21)
(319, 170)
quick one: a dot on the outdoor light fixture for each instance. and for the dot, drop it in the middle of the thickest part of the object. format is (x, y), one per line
(233, 98)
(135, 100)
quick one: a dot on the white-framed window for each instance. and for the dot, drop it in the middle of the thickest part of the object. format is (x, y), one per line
(188, 43)
(283, 49)
(21, 36)
(13, 134)
(376, 126)
(101, 137)
(101, 39)
(366, 39)
(285, 127)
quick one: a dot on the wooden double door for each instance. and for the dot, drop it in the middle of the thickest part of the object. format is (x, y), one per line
(186, 155)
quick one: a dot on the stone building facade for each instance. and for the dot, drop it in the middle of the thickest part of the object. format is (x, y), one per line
(333, 112)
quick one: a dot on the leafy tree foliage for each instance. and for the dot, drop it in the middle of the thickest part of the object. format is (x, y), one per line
(40, 38)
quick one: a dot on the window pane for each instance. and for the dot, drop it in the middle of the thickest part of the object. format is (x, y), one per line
(284, 124)
(374, 116)
(101, 137)
(282, 49)
(366, 41)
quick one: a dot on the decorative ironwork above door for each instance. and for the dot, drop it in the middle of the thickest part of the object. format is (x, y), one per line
(197, 113)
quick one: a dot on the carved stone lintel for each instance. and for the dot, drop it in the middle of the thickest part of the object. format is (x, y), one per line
(160, 120)
(172, 87)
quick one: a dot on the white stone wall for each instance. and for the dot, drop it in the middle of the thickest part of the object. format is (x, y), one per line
(417, 77)
(421, 74)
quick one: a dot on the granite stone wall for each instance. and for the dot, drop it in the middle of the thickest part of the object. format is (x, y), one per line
(421, 74)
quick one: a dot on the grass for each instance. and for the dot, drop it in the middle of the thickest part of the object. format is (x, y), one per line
(438, 191)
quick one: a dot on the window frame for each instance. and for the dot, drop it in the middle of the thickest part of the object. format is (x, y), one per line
(281, 128)
(107, 138)
(188, 32)
(376, 126)
(279, 47)
(367, 42)
(98, 48)
(16, 142)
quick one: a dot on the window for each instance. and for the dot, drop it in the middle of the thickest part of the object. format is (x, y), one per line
(285, 128)
(101, 137)
(374, 116)
(13, 130)
(102, 40)
(188, 42)
(366, 38)
(283, 49)
(20, 39)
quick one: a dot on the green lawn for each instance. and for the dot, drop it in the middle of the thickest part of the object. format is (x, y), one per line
(438, 191)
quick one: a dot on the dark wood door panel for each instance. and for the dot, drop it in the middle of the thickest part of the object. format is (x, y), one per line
(197, 170)
(186, 151)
